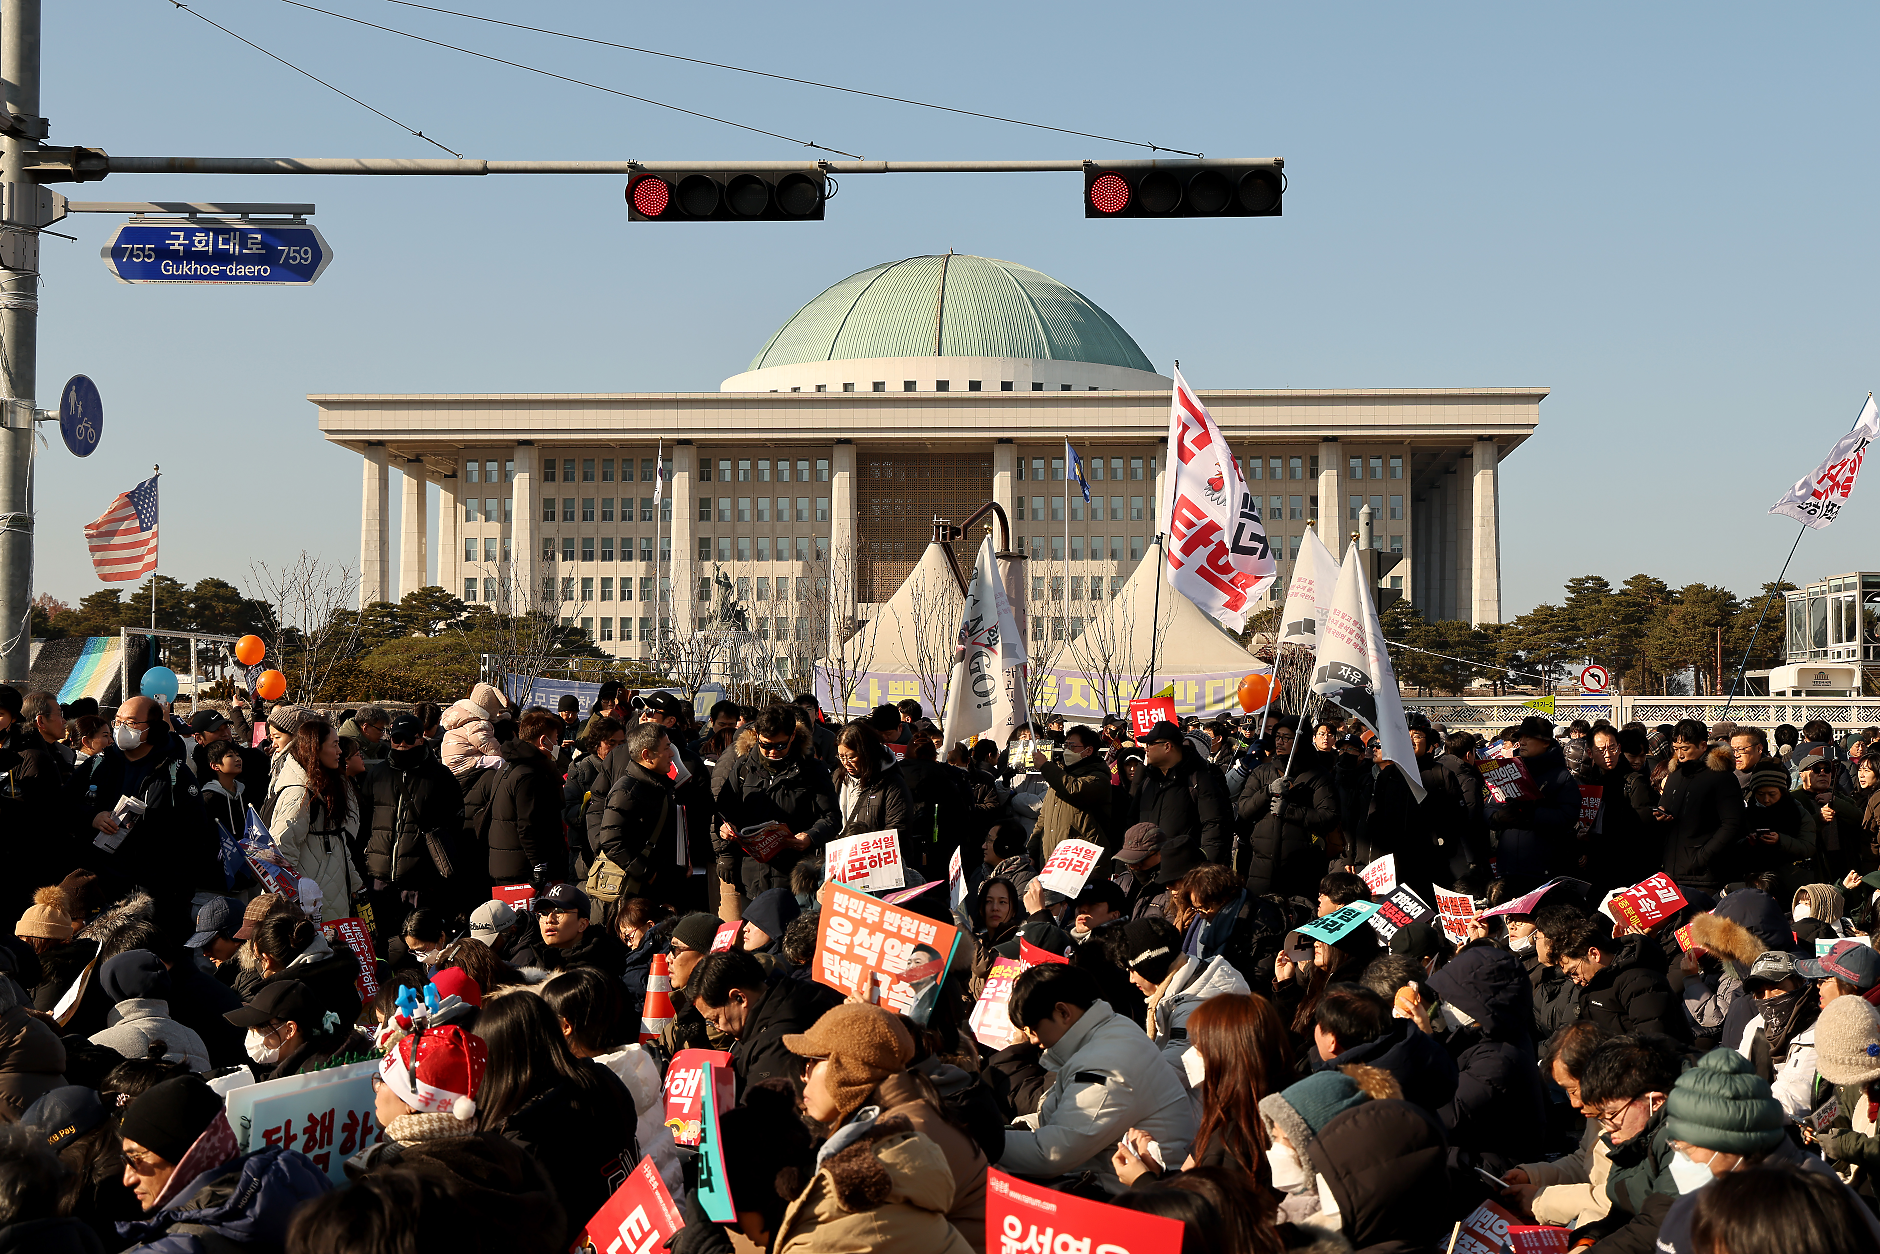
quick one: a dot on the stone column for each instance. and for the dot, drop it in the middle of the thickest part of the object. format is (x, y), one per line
(449, 534)
(844, 569)
(684, 569)
(1004, 484)
(1485, 524)
(413, 530)
(1333, 525)
(523, 590)
(374, 529)
(1446, 597)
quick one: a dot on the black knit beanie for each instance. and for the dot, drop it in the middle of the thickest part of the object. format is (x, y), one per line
(167, 1118)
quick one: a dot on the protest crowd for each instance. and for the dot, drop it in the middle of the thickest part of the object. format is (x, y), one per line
(489, 977)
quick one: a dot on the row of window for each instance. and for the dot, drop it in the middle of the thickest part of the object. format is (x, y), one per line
(1093, 468)
(758, 548)
(757, 509)
(1138, 508)
(761, 467)
(1116, 547)
(1356, 503)
(568, 509)
(1079, 587)
(650, 470)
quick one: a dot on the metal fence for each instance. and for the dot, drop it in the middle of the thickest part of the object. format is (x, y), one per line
(1490, 714)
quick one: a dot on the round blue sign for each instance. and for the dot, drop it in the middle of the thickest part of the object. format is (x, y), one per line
(81, 415)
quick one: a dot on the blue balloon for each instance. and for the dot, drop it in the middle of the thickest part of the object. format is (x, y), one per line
(159, 682)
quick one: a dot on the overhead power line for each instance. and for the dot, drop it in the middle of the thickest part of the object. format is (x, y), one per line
(612, 91)
(787, 78)
(316, 78)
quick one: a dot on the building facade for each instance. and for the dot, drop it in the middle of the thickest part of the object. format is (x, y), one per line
(914, 390)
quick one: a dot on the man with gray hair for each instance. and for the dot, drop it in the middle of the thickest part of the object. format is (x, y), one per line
(41, 710)
(367, 727)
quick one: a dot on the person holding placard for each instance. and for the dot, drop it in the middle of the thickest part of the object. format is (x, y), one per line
(776, 786)
(870, 792)
(1077, 801)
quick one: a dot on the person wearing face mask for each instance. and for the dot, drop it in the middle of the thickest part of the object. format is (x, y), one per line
(1077, 798)
(416, 821)
(1817, 910)
(1174, 984)
(1499, 1110)
(1722, 1119)
(1623, 1088)
(1779, 1006)
(170, 848)
(289, 1031)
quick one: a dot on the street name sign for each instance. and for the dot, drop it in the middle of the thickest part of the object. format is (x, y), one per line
(266, 253)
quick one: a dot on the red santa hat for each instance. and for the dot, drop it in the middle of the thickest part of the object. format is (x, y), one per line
(437, 1071)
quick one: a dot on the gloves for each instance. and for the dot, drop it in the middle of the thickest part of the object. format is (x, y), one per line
(538, 876)
(726, 868)
(1278, 787)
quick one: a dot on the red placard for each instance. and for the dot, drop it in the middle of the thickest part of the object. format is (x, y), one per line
(1648, 903)
(685, 1090)
(1147, 712)
(1510, 782)
(519, 897)
(725, 937)
(879, 952)
(1537, 1239)
(1485, 1231)
(1589, 806)
(639, 1218)
(356, 936)
(1022, 1217)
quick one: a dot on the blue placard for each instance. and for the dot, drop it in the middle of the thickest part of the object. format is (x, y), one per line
(1335, 926)
(81, 415)
(271, 254)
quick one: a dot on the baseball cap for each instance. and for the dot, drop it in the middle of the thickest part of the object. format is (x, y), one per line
(562, 897)
(1848, 960)
(664, 704)
(1772, 967)
(219, 917)
(1163, 732)
(257, 910)
(490, 919)
(206, 721)
(405, 729)
(65, 1113)
(283, 999)
(1139, 842)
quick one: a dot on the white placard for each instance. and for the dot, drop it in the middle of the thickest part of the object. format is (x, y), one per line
(1069, 866)
(868, 862)
(1381, 875)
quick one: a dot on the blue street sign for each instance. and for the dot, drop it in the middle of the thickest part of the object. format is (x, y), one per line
(272, 254)
(81, 415)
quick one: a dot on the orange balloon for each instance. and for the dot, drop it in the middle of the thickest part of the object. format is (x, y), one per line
(1255, 691)
(272, 686)
(249, 650)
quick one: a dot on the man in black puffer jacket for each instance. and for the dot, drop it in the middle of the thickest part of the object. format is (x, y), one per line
(1624, 992)
(1701, 810)
(1538, 833)
(519, 807)
(1280, 816)
(775, 781)
(1183, 793)
(638, 822)
(1499, 1112)
(413, 801)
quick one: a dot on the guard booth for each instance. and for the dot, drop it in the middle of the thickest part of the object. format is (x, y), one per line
(1835, 620)
(1807, 679)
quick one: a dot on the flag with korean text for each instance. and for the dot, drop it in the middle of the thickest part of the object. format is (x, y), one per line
(1308, 592)
(123, 539)
(1217, 554)
(1354, 669)
(1818, 497)
(979, 697)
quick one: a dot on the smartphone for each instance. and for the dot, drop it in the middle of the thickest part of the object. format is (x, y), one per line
(1491, 1177)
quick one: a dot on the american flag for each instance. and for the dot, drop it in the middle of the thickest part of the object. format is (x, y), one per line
(123, 540)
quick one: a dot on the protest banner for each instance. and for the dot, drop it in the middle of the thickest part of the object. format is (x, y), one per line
(1589, 808)
(725, 937)
(1683, 937)
(1537, 1239)
(881, 953)
(1023, 1218)
(1068, 868)
(714, 1186)
(989, 1020)
(272, 869)
(639, 1218)
(326, 1115)
(518, 897)
(1402, 908)
(685, 1090)
(1037, 956)
(956, 881)
(1146, 712)
(1510, 782)
(1381, 875)
(1528, 903)
(1647, 903)
(900, 895)
(869, 861)
(356, 936)
(1217, 555)
(1334, 927)
(1485, 1231)
(1456, 911)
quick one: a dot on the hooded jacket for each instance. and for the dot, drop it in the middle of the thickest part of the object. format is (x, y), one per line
(313, 841)
(798, 793)
(522, 826)
(131, 1026)
(1422, 1068)
(1383, 1164)
(469, 729)
(246, 1201)
(1500, 1108)
(901, 1095)
(581, 1135)
(1744, 925)
(1279, 852)
(1709, 823)
(1556, 998)
(1110, 1078)
(1186, 987)
(1538, 835)
(32, 1062)
(1632, 996)
(887, 1187)
(407, 806)
(1190, 799)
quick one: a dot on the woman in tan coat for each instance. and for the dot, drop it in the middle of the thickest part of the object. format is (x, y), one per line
(895, 1169)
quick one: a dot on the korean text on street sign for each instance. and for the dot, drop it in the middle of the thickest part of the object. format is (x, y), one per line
(1068, 868)
(639, 1218)
(870, 861)
(1022, 1218)
(881, 953)
(270, 254)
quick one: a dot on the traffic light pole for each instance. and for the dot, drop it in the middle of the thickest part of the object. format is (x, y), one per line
(89, 164)
(19, 333)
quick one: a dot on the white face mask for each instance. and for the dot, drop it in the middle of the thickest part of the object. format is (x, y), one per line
(1804, 911)
(1521, 944)
(1689, 1174)
(1195, 1067)
(1288, 1174)
(259, 1050)
(127, 738)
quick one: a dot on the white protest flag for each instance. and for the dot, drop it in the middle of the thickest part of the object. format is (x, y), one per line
(1817, 497)
(1354, 668)
(1309, 594)
(1217, 551)
(990, 644)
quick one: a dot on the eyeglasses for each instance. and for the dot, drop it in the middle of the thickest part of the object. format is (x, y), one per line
(1611, 1121)
(135, 722)
(142, 1165)
(773, 746)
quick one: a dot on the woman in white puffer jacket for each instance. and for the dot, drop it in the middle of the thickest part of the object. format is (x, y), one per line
(315, 817)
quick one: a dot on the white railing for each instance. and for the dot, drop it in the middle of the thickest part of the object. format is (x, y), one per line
(1494, 713)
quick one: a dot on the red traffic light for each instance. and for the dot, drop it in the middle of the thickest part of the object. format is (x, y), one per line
(650, 195)
(1183, 189)
(716, 195)
(1108, 193)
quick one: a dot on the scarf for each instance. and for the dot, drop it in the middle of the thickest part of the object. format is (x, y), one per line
(1210, 936)
(1155, 998)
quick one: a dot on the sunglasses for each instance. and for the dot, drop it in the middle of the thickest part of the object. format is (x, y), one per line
(773, 746)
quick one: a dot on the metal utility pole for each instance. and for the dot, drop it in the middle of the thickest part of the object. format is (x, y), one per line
(19, 329)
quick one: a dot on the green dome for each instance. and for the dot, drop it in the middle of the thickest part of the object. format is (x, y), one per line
(951, 306)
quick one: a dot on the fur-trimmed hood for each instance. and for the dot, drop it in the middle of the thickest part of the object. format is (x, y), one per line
(1719, 759)
(1726, 938)
(889, 1161)
(136, 907)
(886, 1187)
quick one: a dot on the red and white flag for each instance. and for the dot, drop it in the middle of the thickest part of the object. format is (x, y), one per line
(1218, 556)
(1817, 498)
(123, 540)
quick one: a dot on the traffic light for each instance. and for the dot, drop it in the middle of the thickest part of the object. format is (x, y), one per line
(1183, 189)
(784, 195)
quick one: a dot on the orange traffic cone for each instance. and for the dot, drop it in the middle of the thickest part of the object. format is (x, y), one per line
(658, 1013)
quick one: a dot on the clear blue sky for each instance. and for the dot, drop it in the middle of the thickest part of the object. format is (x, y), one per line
(1664, 215)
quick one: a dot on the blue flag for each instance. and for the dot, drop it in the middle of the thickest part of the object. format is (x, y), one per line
(1076, 465)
